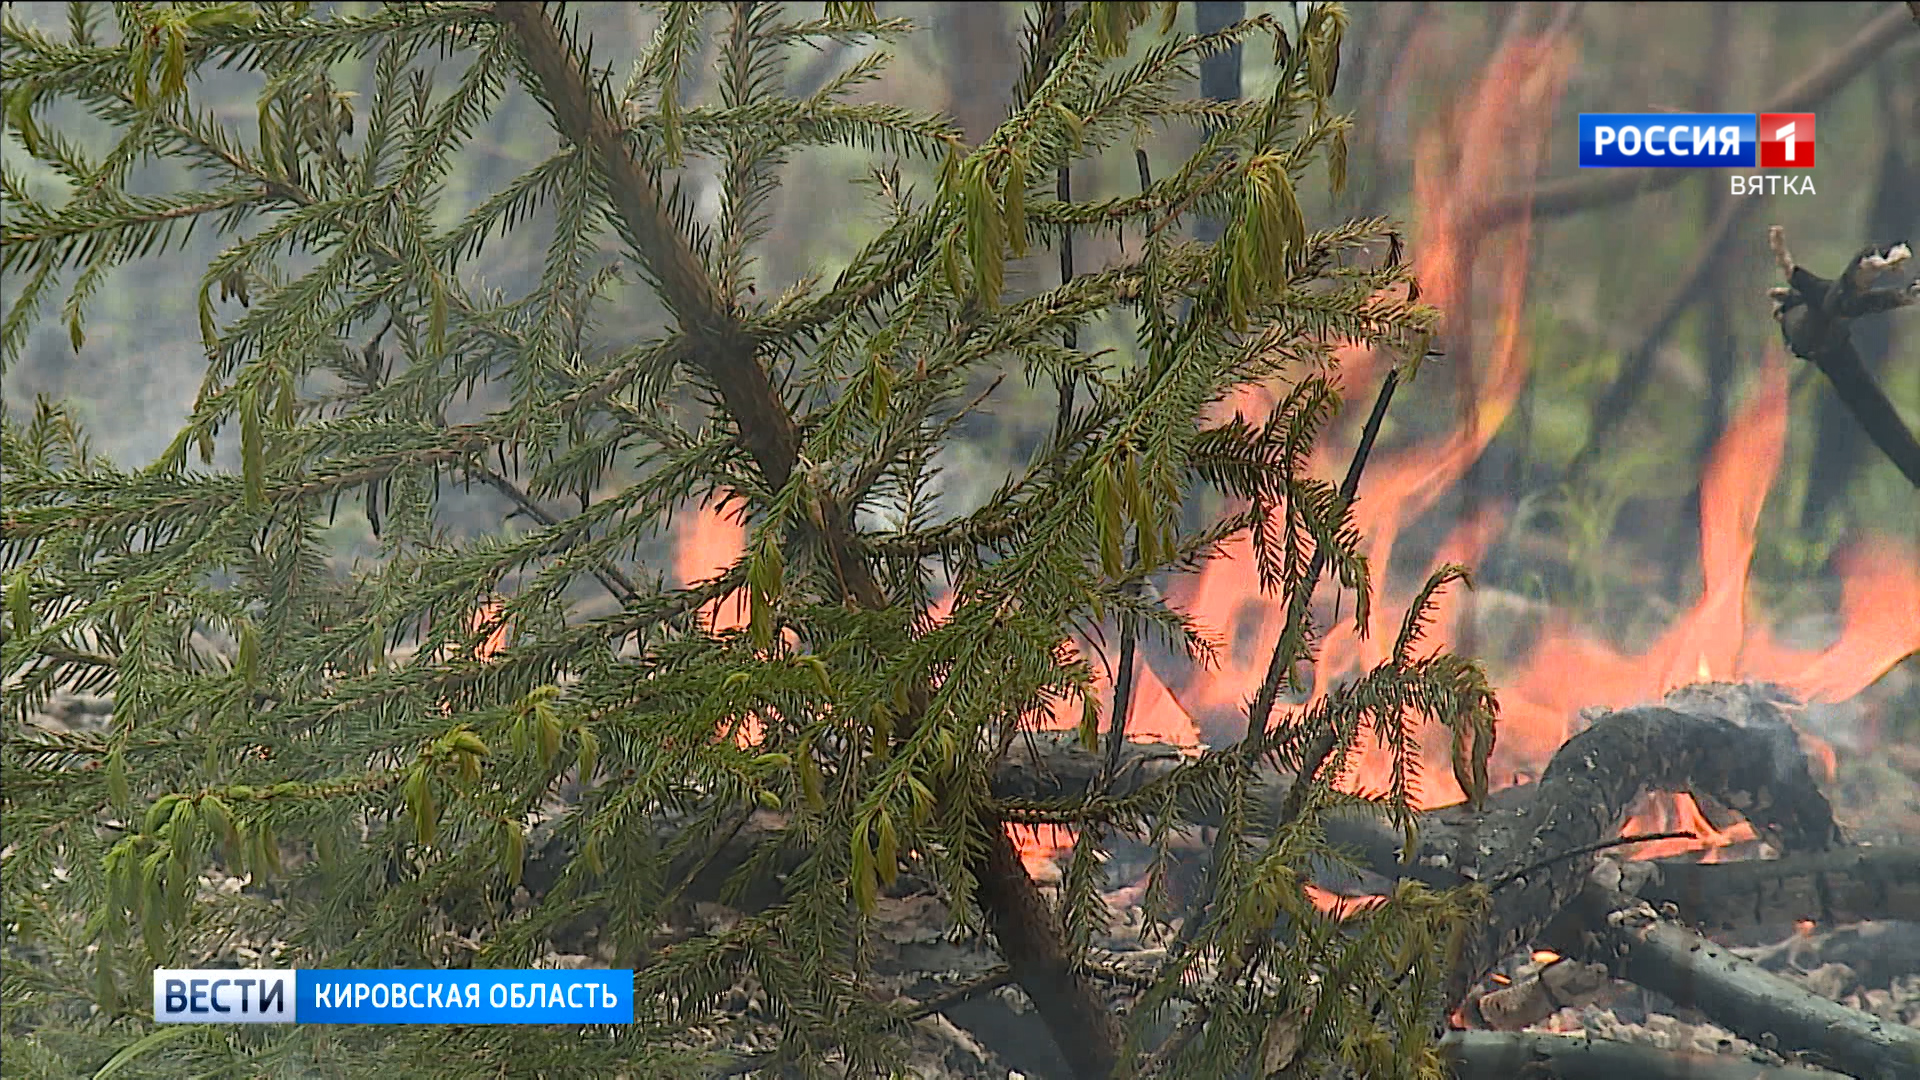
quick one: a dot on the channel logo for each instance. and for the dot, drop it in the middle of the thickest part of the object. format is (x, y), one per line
(518, 996)
(1786, 140)
(1696, 140)
(223, 997)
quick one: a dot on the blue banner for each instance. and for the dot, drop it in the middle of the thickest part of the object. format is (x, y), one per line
(519, 996)
(1667, 140)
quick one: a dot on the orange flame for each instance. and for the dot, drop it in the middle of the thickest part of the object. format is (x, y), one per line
(1154, 715)
(1337, 906)
(1499, 142)
(1720, 637)
(484, 615)
(1495, 143)
(710, 542)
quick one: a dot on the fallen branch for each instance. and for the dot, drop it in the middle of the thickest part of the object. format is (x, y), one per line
(1737, 993)
(1486, 1055)
(1585, 796)
(1845, 885)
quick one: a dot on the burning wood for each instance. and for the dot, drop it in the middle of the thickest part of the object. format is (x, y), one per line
(1552, 984)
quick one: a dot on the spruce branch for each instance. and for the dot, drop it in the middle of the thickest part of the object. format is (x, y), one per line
(720, 346)
(1029, 931)
(609, 575)
(1279, 666)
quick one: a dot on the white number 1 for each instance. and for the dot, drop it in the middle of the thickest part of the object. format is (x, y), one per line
(1785, 135)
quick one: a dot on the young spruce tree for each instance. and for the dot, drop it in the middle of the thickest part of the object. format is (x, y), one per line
(369, 751)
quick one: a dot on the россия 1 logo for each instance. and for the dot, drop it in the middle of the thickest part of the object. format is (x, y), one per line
(1786, 140)
(1696, 140)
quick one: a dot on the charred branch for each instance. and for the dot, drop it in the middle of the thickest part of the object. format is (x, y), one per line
(1487, 1055)
(1585, 796)
(1828, 887)
(1755, 1004)
(1814, 315)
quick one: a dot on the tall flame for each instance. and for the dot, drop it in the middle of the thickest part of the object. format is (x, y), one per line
(1498, 141)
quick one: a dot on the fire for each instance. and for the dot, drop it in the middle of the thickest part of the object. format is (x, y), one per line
(709, 543)
(1337, 906)
(1154, 715)
(1680, 813)
(1721, 637)
(1496, 143)
(486, 615)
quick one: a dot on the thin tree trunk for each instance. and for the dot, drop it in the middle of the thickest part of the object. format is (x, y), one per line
(1033, 942)
(981, 62)
(1219, 77)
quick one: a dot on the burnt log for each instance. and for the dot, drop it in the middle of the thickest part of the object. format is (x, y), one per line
(1754, 765)
(1845, 885)
(1487, 1055)
(1737, 993)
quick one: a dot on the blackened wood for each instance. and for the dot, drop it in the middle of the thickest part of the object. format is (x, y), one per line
(1738, 994)
(1845, 885)
(1585, 795)
(1487, 1055)
(1815, 316)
